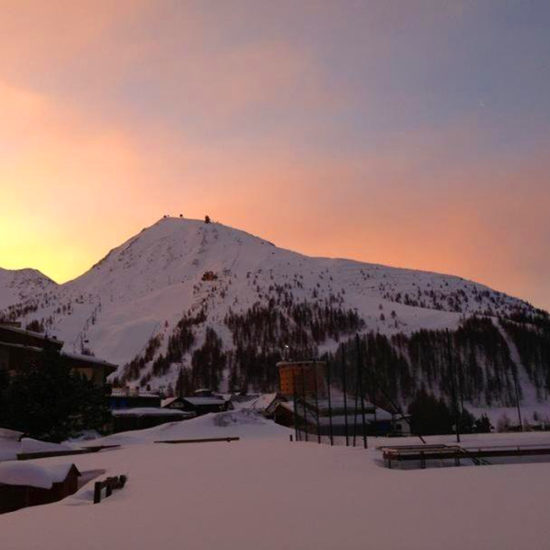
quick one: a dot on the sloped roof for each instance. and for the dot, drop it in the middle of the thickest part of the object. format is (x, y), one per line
(210, 400)
(30, 333)
(33, 475)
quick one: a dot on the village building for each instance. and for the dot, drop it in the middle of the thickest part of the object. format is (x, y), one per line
(128, 398)
(303, 402)
(20, 348)
(302, 378)
(338, 419)
(267, 403)
(203, 401)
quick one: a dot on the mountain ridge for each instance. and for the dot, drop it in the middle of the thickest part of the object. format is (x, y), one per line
(202, 283)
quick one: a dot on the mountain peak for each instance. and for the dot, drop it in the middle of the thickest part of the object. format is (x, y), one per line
(19, 284)
(180, 266)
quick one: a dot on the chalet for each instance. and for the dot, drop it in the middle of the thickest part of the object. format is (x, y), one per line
(203, 401)
(302, 378)
(339, 418)
(19, 348)
(25, 484)
(128, 398)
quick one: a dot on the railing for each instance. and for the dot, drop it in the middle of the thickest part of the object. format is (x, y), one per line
(203, 440)
(477, 455)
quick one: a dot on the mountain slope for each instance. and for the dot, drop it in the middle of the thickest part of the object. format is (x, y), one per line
(21, 284)
(182, 290)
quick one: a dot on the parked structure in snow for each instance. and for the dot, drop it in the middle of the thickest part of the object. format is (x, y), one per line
(25, 484)
(20, 348)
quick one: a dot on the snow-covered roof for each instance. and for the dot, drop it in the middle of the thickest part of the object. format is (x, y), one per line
(210, 400)
(132, 392)
(381, 414)
(32, 333)
(149, 411)
(168, 401)
(74, 356)
(10, 434)
(88, 359)
(33, 475)
(21, 346)
(263, 402)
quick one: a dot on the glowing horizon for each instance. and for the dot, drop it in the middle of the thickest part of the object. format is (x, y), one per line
(408, 134)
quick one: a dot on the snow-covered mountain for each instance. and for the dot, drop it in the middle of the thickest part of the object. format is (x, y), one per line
(153, 299)
(20, 284)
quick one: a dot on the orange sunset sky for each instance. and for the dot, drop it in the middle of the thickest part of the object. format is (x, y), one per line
(409, 133)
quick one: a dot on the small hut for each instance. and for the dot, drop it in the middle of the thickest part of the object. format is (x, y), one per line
(25, 484)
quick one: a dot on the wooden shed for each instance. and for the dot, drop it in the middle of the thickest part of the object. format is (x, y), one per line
(25, 484)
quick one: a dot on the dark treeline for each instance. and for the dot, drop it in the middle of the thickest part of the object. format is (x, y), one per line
(259, 336)
(532, 342)
(262, 333)
(472, 363)
(179, 343)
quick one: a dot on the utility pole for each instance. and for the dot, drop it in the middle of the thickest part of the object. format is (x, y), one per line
(345, 389)
(360, 380)
(516, 388)
(331, 431)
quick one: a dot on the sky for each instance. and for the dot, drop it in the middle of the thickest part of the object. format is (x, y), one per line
(413, 133)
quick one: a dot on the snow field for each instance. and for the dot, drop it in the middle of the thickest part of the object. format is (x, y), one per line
(264, 492)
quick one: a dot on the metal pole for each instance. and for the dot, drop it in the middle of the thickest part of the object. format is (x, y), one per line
(453, 386)
(345, 389)
(360, 376)
(515, 376)
(304, 399)
(396, 408)
(295, 399)
(355, 406)
(317, 403)
(330, 430)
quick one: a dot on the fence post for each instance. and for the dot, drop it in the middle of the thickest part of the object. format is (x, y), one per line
(97, 492)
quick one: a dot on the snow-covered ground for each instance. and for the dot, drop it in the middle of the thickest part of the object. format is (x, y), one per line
(264, 492)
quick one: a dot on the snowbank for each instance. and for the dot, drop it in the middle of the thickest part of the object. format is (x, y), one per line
(150, 411)
(271, 494)
(243, 423)
(10, 447)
